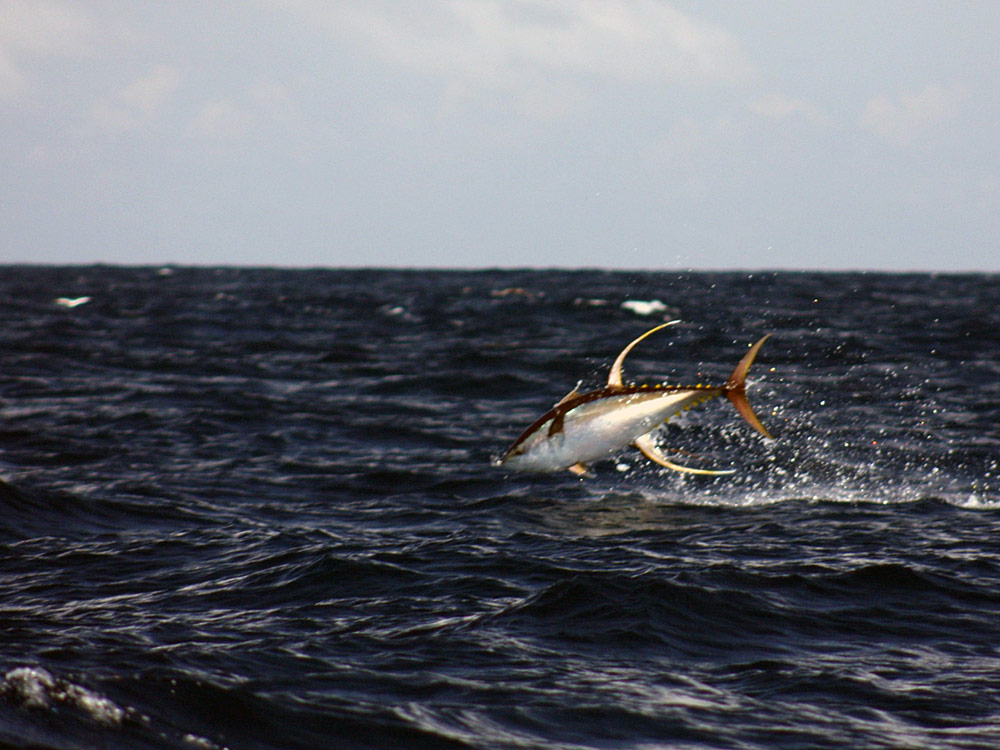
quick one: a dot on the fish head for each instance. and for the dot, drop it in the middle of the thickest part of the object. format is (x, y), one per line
(530, 454)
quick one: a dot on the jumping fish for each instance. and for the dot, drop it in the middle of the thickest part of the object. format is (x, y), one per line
(584, 427)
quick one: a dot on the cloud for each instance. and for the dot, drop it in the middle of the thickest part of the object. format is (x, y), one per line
(37, 28)
(222, 120)
(909, 117)
(12, 80)
(501, 43)
(264, 104)
(778, 107)
(137, 102)
(147, 93)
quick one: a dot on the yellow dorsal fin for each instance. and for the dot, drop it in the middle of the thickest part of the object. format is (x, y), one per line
(572, 394)
(615, 373)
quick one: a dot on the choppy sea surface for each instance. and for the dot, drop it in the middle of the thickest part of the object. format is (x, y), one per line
(256, 509)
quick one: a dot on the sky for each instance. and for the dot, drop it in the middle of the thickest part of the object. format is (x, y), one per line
(634, 134)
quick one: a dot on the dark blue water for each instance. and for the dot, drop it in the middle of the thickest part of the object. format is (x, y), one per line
(255, 509)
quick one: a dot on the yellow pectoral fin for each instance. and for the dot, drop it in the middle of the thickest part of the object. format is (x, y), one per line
(648, 448)
(580, 469)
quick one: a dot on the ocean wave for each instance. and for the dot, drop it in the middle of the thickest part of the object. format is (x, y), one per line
(254, 508)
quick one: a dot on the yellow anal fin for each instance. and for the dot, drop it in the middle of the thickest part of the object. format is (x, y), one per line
(580, 469)
(648, 448)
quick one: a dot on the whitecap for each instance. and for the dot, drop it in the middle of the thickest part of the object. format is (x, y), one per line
(72, 301)
(37, 688)
(644, 307)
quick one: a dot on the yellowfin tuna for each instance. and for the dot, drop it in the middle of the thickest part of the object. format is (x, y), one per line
(584, 427)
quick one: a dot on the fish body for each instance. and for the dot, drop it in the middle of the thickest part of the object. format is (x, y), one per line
(599, 425)
(585, 427)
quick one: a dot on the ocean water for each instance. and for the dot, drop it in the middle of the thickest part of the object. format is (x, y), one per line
(256, 509)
